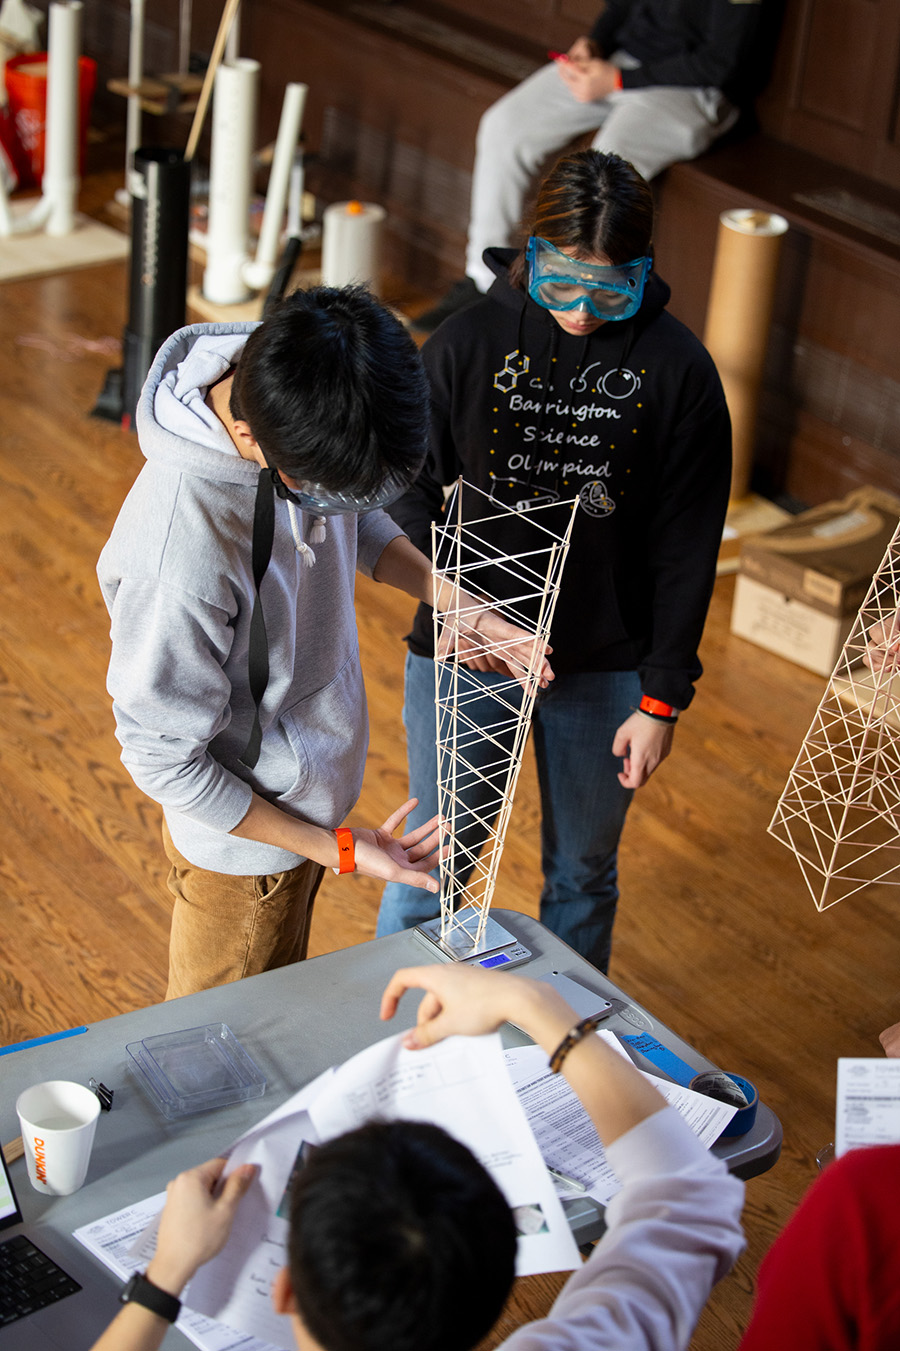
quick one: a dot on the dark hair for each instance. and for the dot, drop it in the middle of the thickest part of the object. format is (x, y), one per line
(592, 203)
(400, 1241)
(333, 390)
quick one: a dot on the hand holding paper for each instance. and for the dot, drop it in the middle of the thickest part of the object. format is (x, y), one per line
(196, 1221)
(468, 1000)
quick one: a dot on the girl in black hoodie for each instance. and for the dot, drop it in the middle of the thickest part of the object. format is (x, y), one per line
(570, 380)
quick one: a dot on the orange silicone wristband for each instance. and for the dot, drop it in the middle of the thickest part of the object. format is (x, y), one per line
(346, 855)
(656, 707)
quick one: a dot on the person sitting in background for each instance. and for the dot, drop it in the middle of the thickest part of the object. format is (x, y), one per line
(400, 1240)
(655, 80)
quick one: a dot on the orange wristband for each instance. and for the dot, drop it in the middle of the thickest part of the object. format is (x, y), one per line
(657, 709)
(346, 855)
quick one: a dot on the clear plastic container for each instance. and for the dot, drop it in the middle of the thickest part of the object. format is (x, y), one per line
(195, 1070)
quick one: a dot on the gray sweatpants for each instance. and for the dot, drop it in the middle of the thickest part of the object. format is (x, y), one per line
(650, 127)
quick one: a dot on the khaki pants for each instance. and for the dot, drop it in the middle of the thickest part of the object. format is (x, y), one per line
(225, 927)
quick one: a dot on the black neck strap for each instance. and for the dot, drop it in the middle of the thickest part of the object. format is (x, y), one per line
(258, 662)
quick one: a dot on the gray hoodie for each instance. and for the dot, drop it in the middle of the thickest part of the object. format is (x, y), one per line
(177, 579)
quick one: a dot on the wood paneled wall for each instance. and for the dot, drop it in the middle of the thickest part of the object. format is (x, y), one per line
(834, 86)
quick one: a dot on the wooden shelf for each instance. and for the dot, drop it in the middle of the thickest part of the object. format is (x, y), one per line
(164, 94)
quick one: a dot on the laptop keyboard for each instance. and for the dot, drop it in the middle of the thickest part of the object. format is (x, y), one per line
(29, 1280)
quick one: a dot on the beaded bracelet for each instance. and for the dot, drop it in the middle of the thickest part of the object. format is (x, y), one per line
(572, 1038)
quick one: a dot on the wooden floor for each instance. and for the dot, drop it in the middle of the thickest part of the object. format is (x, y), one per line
(716, 932)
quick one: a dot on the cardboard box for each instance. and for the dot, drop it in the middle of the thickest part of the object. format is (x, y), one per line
(800, 586)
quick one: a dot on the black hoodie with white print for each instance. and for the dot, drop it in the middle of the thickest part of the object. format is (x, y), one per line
(630, 419)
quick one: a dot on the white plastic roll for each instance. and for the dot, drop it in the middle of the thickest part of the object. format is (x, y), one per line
(60, 178)
(351, 244)
(230, 181)
(260, 272)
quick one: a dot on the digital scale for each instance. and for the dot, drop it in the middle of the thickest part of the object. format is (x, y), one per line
(496, 948)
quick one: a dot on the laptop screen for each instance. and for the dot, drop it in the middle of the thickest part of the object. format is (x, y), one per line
(9, 1206)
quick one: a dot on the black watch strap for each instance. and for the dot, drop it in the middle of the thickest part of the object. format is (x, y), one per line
(141, 1291)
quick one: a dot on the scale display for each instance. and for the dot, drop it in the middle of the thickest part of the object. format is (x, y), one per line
(493, 948)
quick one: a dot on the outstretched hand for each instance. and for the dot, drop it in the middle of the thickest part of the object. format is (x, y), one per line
(409, 859)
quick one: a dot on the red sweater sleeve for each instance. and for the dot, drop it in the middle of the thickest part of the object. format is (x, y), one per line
(832, 1278)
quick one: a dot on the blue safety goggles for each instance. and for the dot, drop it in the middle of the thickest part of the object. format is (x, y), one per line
(559, 282)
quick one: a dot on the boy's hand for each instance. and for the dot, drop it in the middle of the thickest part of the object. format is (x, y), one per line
(409, 859)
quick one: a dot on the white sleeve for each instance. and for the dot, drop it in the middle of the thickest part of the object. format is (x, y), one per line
(672, 1232)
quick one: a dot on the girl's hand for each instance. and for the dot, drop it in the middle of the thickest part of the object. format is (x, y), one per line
(643, 745)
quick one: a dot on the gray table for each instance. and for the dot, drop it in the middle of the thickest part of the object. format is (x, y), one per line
(295, 1023)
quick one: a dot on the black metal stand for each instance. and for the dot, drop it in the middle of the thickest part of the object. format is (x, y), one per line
(160, 213)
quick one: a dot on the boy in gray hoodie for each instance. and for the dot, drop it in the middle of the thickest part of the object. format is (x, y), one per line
(229, 578)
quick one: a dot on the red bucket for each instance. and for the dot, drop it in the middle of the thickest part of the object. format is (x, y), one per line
(26, 88)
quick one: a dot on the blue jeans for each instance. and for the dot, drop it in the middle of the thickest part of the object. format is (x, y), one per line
(583, 805)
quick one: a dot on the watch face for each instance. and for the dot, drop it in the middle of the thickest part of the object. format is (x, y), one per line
(127, 1291)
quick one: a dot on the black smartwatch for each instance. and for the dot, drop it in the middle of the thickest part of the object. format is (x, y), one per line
(141, 1291)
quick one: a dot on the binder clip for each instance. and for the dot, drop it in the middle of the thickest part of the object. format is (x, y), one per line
(103, 1093)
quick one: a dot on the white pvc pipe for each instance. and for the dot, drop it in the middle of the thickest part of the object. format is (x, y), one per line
(184, 36)
(230, 181)
(6, 222)
(133, 113)
(294, 226)
(61, 179)
(258, 274)
(233, 41)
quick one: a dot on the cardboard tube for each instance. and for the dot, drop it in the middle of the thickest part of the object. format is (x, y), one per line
(738, 318)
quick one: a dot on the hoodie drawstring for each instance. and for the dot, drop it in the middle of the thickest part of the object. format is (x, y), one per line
(303, 549)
